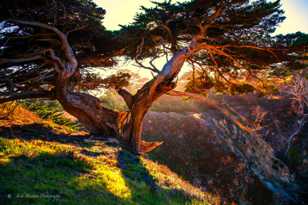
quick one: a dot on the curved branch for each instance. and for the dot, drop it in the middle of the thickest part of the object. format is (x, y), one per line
(56, 61)
(26, 95)
(48, 55)
(152, 64)
(138, 53)
(153, 69)
(170, 69)
(4, 61)
(72, 63)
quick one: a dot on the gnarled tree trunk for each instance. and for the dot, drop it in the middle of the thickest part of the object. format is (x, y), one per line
(127, 126)
(86, 108)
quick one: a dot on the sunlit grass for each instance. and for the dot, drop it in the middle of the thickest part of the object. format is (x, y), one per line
(58, 173)
(111, 179)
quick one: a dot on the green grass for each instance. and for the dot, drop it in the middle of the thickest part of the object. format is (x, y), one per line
(39, 172)
(50, 110)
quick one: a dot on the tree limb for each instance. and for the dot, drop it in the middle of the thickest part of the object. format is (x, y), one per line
(4, 61)
(30, 94)
(72, 63)
(153, 69)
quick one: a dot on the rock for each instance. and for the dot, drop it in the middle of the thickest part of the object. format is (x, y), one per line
(219, 151)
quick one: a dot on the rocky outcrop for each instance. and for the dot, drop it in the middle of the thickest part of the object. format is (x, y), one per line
(258, 156)
(219, 156)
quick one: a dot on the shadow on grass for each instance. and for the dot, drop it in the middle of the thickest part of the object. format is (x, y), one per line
(62, 178)
(41, 132)
(148, 192)
(55, 179)
(44, 179)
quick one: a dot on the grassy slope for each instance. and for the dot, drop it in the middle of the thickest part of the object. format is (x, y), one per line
(36, 169)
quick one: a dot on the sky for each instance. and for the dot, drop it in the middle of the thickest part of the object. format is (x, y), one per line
(123, 12)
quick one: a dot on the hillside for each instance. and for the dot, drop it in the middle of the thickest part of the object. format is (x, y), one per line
(209, 156)
(44, 163)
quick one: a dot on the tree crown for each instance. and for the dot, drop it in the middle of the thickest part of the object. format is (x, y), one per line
(228, 36)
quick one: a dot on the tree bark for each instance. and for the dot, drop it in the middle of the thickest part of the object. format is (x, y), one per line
(87, 109)
(127, 126)
(131, 123)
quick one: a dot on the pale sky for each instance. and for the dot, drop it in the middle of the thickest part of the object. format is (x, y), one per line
(123, 12)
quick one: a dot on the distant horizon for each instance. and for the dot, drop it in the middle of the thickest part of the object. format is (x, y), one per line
(123, 12)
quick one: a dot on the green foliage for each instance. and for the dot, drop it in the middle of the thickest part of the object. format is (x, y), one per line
(200, 85)
(51, 110)
(83, 17)
(155, 32)
(201, 82)
(91, 81)
(264, 83)
(242, 89)
(281, 72)
(293, 39)
(174, 23)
